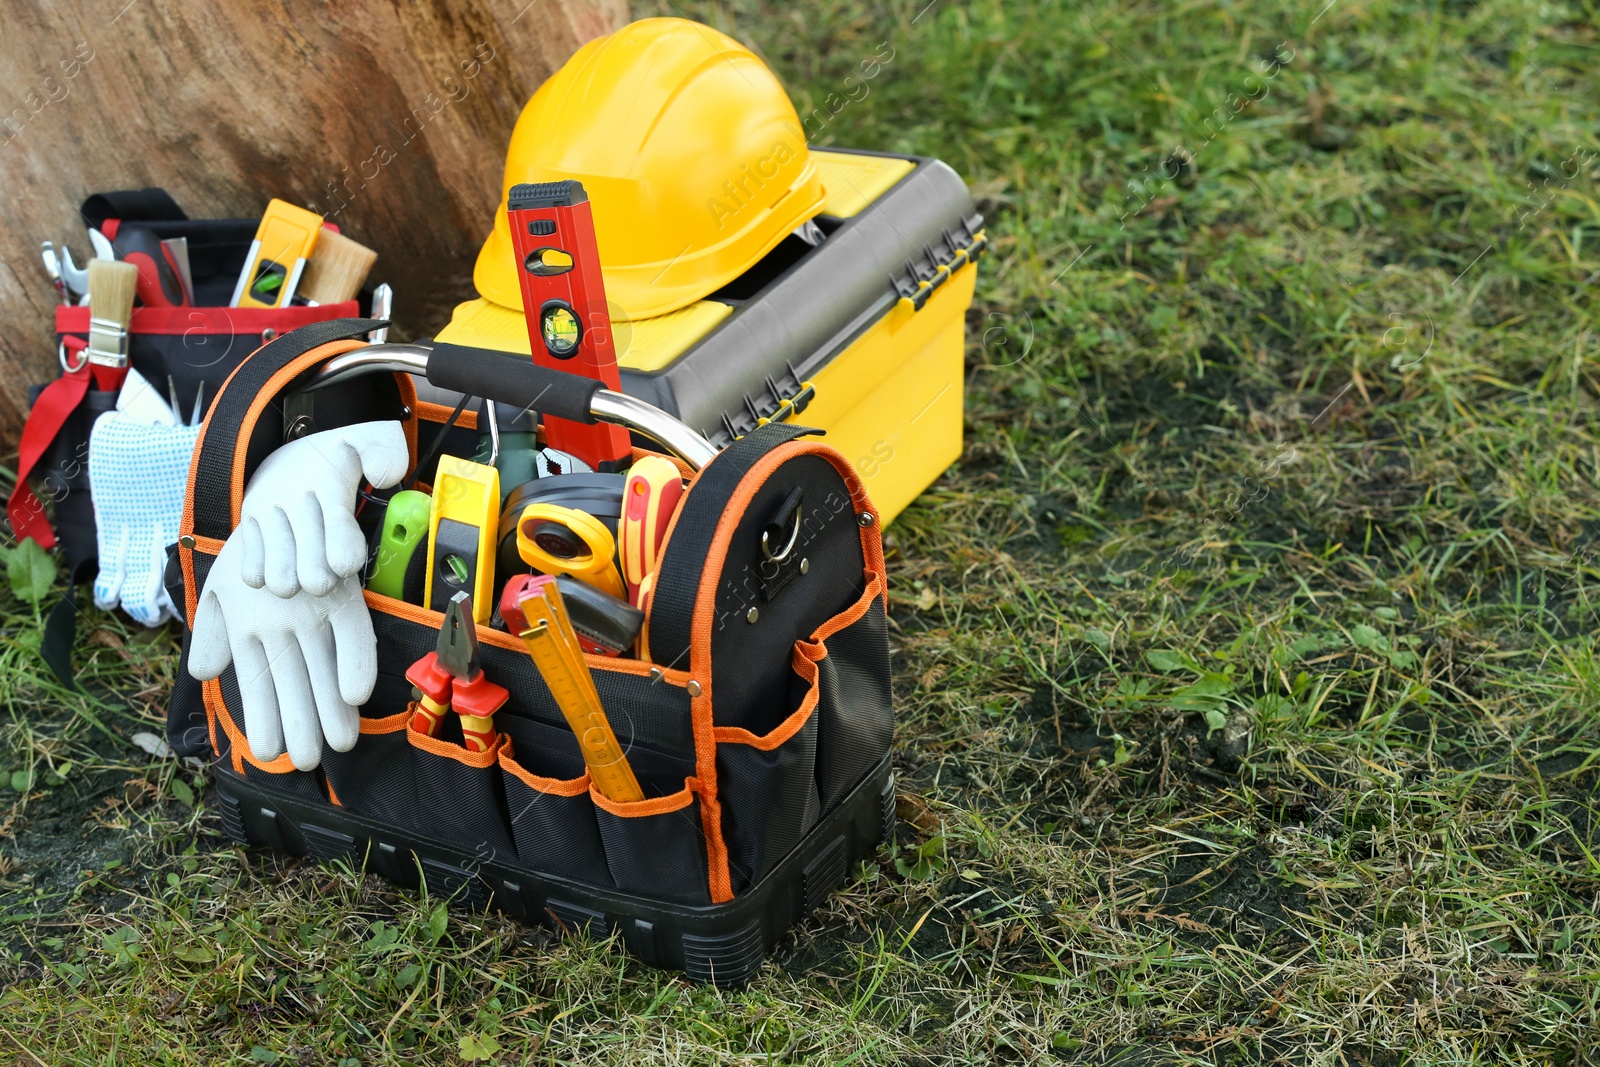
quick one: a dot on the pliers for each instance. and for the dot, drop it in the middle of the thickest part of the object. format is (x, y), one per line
(449, 679)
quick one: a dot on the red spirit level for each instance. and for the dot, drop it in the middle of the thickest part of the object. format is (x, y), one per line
(564, 299)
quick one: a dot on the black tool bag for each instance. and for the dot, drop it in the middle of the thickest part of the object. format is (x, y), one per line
(757, 719)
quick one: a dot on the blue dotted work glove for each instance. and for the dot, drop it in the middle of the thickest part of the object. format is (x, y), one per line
(137, 475)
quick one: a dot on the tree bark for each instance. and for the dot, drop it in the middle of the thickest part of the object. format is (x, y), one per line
(391, 119)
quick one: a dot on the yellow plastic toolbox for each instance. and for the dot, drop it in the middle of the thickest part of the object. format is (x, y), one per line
(860, 334)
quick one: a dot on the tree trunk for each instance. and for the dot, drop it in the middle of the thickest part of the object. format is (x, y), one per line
(390, 118)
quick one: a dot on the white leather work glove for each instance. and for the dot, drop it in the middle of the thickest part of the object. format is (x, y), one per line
(305, 663)
(137, 473)
(297, 528)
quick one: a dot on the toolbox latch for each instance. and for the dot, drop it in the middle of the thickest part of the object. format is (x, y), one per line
(788, 395)
(783, 399)
(940, 261)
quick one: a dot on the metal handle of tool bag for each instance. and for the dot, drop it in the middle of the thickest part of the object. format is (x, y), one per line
(514, 379)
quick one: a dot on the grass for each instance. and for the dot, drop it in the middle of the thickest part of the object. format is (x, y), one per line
(1246, 664)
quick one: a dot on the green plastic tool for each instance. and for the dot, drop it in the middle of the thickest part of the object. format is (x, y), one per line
(405, 526)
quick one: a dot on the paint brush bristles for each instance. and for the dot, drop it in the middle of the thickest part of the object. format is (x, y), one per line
(336, 269)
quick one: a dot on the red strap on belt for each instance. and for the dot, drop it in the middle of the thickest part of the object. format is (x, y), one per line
(50, 412)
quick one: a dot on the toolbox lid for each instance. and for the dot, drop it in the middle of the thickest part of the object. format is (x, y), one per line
(854, 180)
(802, 306)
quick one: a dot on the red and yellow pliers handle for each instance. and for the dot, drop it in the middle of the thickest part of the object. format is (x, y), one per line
(474, 698)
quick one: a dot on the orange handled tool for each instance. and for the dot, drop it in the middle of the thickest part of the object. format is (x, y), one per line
(449, 679)
(537, 615)
(650, 498)
(435, 685)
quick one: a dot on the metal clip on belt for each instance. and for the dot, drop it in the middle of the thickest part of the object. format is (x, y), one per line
(108, 343)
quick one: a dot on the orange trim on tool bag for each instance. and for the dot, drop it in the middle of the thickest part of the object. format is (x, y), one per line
(211, 715)
(428, 411)
(556, 787)
(734, 735)
(332, 796)
(804, 660)
(191, 596)
(211, 546)
(654, 806)
(705, 608)
(683, 468)
(853, 613)
(389, 724)
(500, 639)
(435, 747)
(239, 745)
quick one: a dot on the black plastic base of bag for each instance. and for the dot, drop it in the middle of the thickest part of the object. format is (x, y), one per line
(719, 943)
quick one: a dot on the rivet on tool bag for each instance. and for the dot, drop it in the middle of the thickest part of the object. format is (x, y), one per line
(756, 717)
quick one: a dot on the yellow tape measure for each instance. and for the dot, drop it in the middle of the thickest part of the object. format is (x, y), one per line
(551, 642)
(559, 540)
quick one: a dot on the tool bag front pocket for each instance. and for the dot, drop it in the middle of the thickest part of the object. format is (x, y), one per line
(855, 715)
(431, 784)
(656, 847)
(233, 745)
(458, 794)
(547, 799)
(767, 785)
(374, 778)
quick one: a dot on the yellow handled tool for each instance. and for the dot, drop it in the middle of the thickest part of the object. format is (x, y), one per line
(547, 633)
(284, 240)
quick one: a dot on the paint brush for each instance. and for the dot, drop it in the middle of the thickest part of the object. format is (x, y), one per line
(112, 285)
(336, 269)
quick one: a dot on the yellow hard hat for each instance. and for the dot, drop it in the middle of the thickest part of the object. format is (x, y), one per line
(691, 153)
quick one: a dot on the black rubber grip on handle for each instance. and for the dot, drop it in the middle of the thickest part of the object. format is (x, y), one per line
(508, 378)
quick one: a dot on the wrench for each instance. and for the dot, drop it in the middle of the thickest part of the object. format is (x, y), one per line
(102, 245)
(77, 279)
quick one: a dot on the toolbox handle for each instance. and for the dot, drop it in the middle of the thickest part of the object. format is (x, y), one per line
(515, 379)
